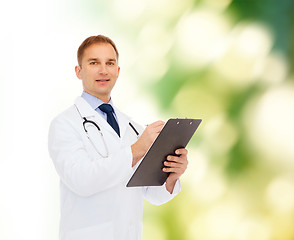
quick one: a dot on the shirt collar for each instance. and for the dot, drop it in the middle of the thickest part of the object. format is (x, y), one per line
(93, 101)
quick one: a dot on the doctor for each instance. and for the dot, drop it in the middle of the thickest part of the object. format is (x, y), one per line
(95, 149)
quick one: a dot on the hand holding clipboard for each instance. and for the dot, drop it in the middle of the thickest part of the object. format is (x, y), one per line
(175, 134)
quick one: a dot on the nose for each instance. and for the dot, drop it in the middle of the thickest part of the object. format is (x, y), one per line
(103, 69)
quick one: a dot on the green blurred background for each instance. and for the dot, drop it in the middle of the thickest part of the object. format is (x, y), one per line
(228, 62)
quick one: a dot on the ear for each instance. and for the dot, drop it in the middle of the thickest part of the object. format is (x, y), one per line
(78, 71)
(118, 70)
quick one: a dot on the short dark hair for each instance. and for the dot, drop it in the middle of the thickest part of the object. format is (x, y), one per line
(92, 40)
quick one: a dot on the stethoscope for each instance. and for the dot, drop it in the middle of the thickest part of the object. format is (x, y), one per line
(86, 121)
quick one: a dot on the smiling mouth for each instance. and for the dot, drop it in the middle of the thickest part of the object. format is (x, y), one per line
(102, 80)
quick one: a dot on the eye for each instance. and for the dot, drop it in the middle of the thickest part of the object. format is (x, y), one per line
(93, 63)
(110, 63)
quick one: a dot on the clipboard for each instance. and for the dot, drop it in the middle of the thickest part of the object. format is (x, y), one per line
(175, 134)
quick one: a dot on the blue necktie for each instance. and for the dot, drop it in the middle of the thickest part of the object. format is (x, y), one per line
(107, 108)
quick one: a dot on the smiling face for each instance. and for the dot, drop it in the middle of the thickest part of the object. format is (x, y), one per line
(99, 70)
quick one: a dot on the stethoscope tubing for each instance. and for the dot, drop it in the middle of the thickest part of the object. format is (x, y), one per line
(86, 121)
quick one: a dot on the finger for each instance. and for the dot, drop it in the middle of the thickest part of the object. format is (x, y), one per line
(173, 164)
(156, 124)
(181, 159)
(156, 129)
(181, 151)
(159, 122)
(177, 170)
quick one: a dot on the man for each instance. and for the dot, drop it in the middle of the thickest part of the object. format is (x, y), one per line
(95, 149)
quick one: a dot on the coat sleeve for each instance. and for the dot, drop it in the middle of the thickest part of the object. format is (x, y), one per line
(158, 195)
(83, 175)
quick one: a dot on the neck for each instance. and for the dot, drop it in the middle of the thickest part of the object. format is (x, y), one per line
(103, 98)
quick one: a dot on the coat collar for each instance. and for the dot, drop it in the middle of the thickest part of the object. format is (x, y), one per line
(88, 112)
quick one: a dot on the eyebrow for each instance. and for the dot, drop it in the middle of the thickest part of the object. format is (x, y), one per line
(96, 59)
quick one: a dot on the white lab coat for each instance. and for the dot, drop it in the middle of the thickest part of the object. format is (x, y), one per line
(95, 202)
